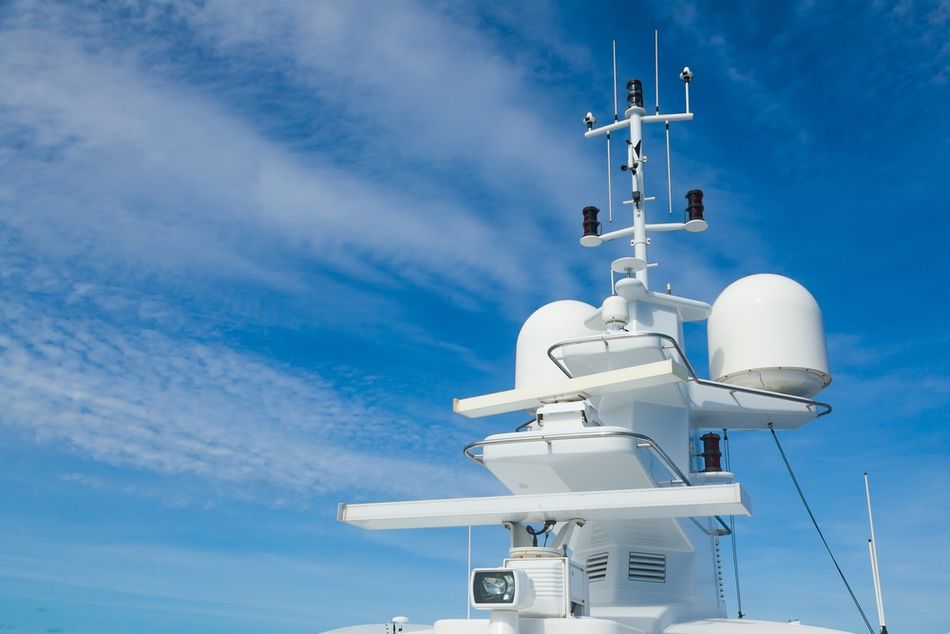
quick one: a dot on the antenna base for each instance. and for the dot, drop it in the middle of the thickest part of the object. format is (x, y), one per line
(696, 226)
(627, 265)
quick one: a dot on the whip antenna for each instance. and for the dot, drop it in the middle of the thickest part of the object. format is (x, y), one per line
(656, 70)
(656, 66)
(610, 191)
(872, 551)
(614, 46)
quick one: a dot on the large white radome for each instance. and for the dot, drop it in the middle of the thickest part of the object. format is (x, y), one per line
(550, 324)
(766, 332)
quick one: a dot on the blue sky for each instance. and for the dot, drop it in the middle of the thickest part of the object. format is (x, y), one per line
(250, 252)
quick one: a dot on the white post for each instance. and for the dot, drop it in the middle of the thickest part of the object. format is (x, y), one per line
(872, 550)
(639, 241)
(468, 573)
(503, 622)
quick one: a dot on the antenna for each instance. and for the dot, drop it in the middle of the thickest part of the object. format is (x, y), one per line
(614, 46)
(610, 191)
(872, 551)
(635, 117)
(656, 68)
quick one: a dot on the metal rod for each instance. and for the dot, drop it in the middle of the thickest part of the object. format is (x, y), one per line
(607, 129)
(660, 118)
(872, 547)
(825, 407)
(656, 66)
(614, 47)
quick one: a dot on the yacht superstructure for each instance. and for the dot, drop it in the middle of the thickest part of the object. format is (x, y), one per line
(619, 467)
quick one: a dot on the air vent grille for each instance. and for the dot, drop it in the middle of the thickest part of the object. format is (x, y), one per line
(645, 567)
(597, 567)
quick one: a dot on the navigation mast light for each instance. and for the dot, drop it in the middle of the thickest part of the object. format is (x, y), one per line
(591, 236)
(694, 205)
(634, 93)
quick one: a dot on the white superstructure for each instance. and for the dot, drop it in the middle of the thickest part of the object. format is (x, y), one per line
(619, 465)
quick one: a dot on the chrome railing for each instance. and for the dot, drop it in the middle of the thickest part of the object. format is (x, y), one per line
(643, 442)
(821, 409)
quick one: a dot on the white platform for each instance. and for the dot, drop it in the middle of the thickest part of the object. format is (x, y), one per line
(632, 379)
(697, 501)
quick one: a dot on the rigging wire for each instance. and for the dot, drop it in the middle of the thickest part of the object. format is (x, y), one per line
(801, 494)
(732, 527)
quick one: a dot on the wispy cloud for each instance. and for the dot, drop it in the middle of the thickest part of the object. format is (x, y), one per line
(136, 397)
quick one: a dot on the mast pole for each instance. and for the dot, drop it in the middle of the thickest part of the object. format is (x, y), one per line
(635, 165)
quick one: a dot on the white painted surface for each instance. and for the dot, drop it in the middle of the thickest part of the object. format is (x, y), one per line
(639, 377)
(699, 501)
(550, 324)
(766, 332)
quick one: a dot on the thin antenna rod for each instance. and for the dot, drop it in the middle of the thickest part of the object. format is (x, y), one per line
(872, 550)
(610, 189)
(614, 47)
(656, 70)
(656, 66)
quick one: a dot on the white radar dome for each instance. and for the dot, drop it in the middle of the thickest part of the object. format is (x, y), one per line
(550, 324)
(766, 332)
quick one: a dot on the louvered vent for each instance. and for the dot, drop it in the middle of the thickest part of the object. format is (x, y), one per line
(597, 567)
(645, 567)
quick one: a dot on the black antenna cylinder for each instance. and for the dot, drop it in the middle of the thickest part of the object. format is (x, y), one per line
(591, 226)
(634, 93)
(694, 204)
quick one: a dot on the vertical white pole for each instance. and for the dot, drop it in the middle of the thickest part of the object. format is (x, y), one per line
(468, 573)
(636, 180)
(610, 189)
(669, 172)
(656, 67)
(614, 45)
(872, 549)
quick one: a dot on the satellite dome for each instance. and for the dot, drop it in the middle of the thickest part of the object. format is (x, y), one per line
(766, 332)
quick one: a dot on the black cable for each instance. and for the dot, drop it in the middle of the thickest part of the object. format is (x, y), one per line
(732, 528)
(820, 534)
(544, 530)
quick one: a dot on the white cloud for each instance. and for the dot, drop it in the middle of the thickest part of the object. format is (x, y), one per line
(113, 163)
(135, 397)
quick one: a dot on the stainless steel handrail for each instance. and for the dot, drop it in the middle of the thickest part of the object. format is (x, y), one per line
(603, 433)
(605, 338)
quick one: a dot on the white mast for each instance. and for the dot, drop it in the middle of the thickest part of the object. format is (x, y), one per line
(634, 118)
